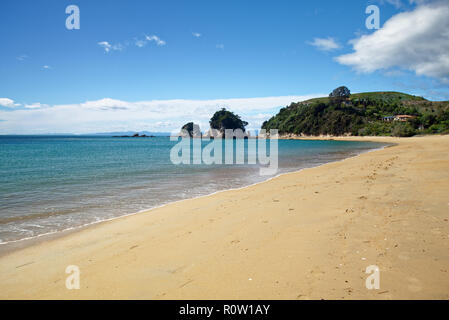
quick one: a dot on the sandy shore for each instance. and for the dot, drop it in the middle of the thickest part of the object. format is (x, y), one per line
(304, 235)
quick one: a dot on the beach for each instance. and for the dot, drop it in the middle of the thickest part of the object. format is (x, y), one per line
(303, 235)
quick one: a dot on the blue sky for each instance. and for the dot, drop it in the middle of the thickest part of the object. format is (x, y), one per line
(130, 52)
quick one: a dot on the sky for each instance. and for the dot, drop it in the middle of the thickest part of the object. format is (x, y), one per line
(154, 65)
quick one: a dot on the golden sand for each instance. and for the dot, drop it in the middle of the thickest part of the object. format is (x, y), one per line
(304, 235)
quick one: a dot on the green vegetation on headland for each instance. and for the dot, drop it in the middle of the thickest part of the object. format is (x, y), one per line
(221, 120)
(362, 114)
(224, 119)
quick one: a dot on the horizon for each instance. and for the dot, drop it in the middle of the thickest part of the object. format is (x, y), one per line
(163, 133)
(153, 66)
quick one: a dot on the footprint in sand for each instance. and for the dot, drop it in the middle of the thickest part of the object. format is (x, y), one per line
(176, 270)
(317, 272)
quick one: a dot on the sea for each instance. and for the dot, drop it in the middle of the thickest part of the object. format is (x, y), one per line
(53, 183)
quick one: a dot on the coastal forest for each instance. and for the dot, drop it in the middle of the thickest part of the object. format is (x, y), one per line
(362, 114)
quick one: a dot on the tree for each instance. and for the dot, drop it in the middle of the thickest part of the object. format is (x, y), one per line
(224, 119)
(402, 129)
(340, 94)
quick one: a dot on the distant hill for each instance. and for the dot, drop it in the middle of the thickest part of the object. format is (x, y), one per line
(131, 133)
(370, 113)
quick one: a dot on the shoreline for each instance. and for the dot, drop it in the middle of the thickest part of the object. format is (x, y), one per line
(209, 247)
(13, 245)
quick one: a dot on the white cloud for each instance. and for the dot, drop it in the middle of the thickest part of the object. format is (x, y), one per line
(8, 103)
(36, 105)
(108, 47)
(164, 124)
(143, 42)
(196, 34)
(156, 39)
(220, 46)
(417, 40)
(107, 115)
(46, 67)
(325, 44)
(140, 43)
(105, 45)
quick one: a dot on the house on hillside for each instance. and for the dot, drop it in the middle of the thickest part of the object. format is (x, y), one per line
(399, 117)
(403, 117)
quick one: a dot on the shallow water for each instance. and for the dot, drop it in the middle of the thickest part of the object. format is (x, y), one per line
(51, 183)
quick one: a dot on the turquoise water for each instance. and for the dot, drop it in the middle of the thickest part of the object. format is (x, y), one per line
(52, 183)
